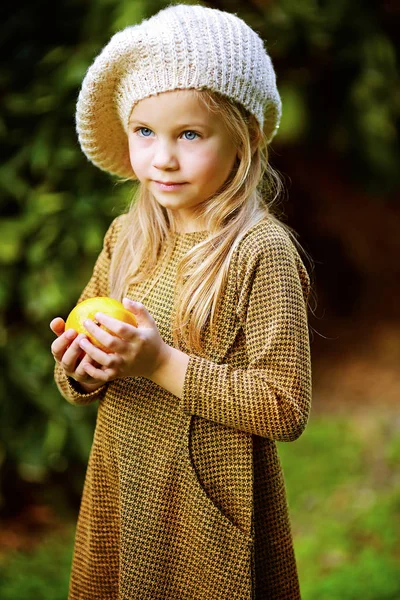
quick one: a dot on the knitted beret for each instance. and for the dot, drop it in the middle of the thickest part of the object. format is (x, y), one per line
(181, 47)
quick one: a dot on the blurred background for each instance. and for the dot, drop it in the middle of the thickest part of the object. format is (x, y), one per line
(338, 152)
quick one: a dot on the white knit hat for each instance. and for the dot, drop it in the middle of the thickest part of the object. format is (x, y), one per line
(181, 47)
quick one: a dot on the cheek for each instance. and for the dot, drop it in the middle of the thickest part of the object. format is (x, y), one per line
(136, 164)
(137, 160)
(214, 163)
(217, 165)
(132, 154)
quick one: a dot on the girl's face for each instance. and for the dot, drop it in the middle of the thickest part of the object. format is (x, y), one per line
(181, 151)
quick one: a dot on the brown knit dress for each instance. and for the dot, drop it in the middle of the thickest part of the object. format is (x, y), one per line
(185, 499)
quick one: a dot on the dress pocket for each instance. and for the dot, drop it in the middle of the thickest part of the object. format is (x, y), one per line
(219, 461)
(220, 554)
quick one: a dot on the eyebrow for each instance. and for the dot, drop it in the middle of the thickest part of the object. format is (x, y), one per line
(179, 126)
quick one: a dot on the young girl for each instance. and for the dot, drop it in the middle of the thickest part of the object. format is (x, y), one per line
(184, 496)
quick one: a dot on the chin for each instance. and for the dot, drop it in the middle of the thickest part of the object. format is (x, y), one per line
(170, 204)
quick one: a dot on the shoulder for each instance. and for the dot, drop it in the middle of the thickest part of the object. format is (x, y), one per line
(268, 238)
(268, 248)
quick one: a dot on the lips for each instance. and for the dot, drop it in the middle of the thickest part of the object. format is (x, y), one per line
(169, 182)
(169, 185)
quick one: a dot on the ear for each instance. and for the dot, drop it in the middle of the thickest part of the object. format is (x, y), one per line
(253, 147)
(255, 134)
(255, 142)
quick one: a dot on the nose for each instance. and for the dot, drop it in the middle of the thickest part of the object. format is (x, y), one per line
(164, 157)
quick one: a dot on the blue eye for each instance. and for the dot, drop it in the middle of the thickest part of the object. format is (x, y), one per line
(190, 135)
(145, 131)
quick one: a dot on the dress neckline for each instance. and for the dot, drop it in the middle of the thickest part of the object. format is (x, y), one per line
(190, 235)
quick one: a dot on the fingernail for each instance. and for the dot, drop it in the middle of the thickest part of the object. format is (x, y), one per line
(70, 334)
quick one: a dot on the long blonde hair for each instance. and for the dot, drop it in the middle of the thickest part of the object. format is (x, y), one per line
(245, 198)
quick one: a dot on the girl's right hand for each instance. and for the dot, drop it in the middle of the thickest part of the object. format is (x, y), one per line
(67, 352)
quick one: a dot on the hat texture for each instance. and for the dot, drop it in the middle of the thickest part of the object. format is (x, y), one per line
(181, 47)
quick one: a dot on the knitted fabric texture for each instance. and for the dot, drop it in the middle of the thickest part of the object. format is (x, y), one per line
(181, 47)
(184, 499)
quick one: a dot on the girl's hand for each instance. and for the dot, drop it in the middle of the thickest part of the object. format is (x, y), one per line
(67, 351)
(133, 351)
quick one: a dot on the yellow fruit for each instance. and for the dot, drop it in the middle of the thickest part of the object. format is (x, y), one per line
(87, 310)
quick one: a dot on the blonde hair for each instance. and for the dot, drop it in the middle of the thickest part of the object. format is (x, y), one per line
(244, 199)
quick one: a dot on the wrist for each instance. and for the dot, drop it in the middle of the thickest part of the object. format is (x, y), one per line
(162, 362)
(84, 388)
(171, 370)
(90, 387)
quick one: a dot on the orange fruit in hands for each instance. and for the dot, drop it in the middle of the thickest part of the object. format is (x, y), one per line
(87, 310)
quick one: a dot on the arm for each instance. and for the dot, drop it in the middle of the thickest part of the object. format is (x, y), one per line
(171, 372)
(71, 390)
(271, 398)
(74, 392)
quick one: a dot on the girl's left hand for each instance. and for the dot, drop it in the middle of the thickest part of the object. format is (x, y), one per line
(134, 351)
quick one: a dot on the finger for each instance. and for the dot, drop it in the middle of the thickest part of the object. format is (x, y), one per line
(82, 376)
(80, 373)
(88, 358)
(72, 356)
(62, 343)
(57, 326)
(143, 316)
(97, 354)
(100, 375)
(118, 328)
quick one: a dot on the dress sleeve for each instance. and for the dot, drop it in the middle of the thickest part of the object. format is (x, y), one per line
(271, 397)
(98, 285)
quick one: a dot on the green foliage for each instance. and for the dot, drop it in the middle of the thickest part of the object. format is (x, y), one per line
(56, 208)
(335, 61)
(43, 573)
(339, 81)
(344, 499)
